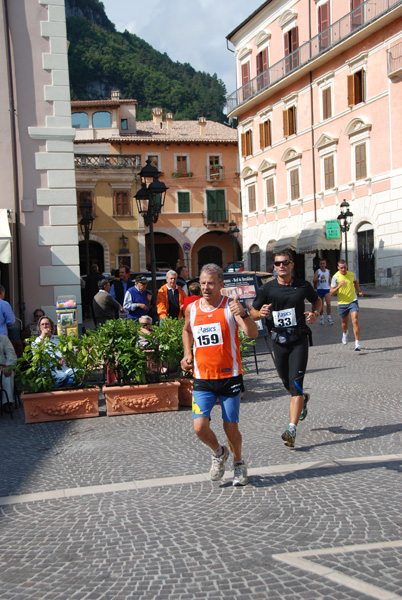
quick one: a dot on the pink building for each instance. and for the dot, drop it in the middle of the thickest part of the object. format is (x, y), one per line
(319, 108)
(41, 260)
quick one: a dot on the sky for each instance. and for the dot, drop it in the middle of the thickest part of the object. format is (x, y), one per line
(192, 31)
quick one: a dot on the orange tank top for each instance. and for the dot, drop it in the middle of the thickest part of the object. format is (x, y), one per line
(216, 342)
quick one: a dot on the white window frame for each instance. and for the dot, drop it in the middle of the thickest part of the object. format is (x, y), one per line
(176, 154)
(158, 154)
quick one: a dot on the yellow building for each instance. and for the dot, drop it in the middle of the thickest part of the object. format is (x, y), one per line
(198, 164)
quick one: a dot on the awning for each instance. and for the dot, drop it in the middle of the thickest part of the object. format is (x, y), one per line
(286, 243)
(314, 238)
(5, 237)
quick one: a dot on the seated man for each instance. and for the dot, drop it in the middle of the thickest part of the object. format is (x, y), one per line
(8, 358)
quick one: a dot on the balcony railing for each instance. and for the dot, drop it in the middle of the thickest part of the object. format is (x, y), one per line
(216, 173)
(107, 161)
(394, 55)
(216, 215)
(358, 18)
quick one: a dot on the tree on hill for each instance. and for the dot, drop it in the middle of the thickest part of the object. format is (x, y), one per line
(102, 59)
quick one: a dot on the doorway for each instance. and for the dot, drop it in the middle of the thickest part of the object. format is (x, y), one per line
(209, 254)
(365, 253)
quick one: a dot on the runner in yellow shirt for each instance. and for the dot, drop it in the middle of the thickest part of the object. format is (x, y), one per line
(347, 288)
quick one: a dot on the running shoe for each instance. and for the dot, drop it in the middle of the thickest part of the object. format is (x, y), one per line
(289, 436)
(345, 337)
(218, 465)
(303, 414)
(330, 321)
(321, 320)
(357, 345)
(240, 473)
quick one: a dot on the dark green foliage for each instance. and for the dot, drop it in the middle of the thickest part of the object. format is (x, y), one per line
(101, 59)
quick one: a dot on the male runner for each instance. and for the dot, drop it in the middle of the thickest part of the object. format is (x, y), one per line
(212, 325)
(281, 302)
(347, 288)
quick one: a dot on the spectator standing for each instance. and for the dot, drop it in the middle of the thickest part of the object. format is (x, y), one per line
(120, 286)
(105, 307)
(322, 278)
(170, 299)
(137, 299)
(195, 294)
(182, 276)
(7, 317)
(91, 287)
(8, 358)
(32, 328)
(346, 286)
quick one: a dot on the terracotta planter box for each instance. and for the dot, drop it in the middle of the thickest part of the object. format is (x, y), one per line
(186, 391)
(133, 399)
(61, 405)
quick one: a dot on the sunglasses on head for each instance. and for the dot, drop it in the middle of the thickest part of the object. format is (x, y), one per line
(278, 263)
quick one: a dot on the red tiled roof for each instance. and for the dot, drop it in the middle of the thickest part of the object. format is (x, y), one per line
(115, 103)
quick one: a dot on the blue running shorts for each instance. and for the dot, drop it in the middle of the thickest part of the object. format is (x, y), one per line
(345, 309)
(204, 401)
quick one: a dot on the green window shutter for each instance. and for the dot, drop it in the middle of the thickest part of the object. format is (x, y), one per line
(183, 202)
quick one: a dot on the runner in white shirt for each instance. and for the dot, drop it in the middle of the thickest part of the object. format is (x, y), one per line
(322, 277)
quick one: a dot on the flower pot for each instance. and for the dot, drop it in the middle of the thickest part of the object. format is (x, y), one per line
(185, 391)
(133, 399)
(60, 405)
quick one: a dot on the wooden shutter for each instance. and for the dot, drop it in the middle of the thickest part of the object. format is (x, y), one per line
(323, 23)
(294, 35)
(286, 123)
(245, 73)
(329, 172)
(183, 202)
(351, 90)
(243, 144)
(326, 104)
(249, 143)
(262, 138)
(270, 192)
(251, 198)
(294, 184)
(361, 168)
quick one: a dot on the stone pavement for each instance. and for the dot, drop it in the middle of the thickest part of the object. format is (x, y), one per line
(121, 508)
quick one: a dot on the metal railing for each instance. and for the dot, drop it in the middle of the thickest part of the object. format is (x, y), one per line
(216, 216)
(394, 58)
(358, 18)
(215, 173)
(107, 161)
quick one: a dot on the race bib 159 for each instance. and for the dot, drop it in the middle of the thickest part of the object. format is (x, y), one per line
(207, 335)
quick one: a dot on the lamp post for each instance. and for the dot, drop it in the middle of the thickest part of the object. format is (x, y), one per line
(86, 224)
(233, 229)
(345, 219)
(150, 199)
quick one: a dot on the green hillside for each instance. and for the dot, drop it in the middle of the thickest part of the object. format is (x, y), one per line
(102, 59)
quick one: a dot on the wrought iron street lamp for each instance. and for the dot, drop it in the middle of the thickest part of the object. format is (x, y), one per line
(345, 219)
(150, 199)
(232, 231)
(86, 224)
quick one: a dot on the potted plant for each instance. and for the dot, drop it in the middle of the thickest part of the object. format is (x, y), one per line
(136, 361)
(35, 370)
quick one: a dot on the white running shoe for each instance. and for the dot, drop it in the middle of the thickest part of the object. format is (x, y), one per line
(240, 473)
(321, 320)
(345, 337)
(218, 465)
(330, 321)
(357, 345)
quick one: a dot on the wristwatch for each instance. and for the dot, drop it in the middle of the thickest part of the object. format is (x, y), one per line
(247, 314)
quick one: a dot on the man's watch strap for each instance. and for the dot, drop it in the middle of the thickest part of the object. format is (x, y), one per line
(247, 314)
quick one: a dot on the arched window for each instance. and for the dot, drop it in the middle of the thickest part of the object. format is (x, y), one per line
(255, 258)
(80, 120)
(101, 119)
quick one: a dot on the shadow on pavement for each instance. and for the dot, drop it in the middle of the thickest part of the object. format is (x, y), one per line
(366, 433)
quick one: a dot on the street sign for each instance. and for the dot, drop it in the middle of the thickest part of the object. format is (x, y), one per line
(187, 247)
(332, 229)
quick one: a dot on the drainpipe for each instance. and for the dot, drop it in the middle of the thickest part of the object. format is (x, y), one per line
(312, 122)
(21, 303)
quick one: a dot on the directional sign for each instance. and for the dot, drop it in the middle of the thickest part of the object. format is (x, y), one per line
(187, 247)
(332, 229)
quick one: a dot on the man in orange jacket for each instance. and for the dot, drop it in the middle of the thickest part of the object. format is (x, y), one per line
(170, 299)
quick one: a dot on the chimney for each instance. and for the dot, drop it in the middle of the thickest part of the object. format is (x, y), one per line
(203, 125)
(169, 119)
(157, 117)
(115, 95)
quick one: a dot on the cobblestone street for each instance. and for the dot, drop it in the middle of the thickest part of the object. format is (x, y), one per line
(122, 508)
